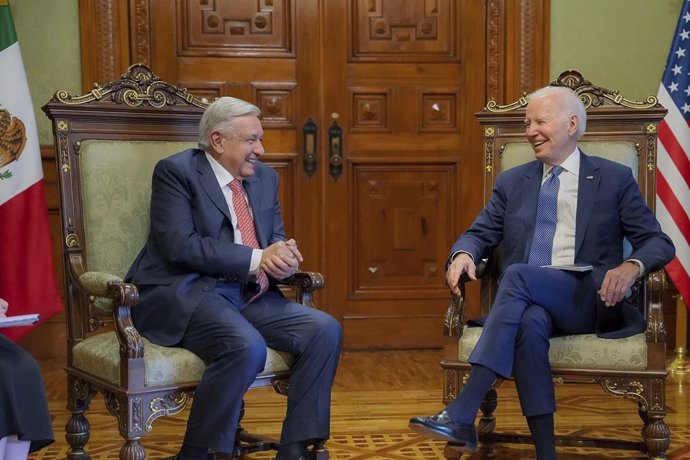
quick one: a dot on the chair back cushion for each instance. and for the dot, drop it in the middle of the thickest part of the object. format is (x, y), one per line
(624, 152)
(116, 196)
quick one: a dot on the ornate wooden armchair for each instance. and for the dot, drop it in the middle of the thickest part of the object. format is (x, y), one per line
(107, 143)
(631, 368)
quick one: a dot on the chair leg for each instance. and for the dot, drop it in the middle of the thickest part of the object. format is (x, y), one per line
(132, 450)
(77, 428)
(487, 422)
(657, 436)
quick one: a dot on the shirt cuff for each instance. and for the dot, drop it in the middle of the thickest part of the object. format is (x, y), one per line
(255, 263)
(639, 264)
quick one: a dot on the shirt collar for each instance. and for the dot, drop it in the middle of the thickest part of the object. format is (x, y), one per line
(223, 176)
(571, 164)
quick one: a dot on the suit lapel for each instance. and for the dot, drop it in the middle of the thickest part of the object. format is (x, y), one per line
(587, 186)
(210, 184)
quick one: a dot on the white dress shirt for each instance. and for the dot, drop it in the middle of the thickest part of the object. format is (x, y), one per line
(224, 178)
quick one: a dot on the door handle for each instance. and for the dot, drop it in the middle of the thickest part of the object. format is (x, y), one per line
(335, 148)
(309, 147)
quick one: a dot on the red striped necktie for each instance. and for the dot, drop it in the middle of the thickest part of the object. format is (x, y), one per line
(245, 224)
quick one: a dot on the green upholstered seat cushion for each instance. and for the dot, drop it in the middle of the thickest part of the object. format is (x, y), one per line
(585, 351)
(99, 355)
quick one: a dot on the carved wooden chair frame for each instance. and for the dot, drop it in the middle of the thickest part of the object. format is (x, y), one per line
(610, 116)
(136, 107)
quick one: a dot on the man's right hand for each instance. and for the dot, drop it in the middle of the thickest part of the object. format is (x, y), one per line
(462, 263)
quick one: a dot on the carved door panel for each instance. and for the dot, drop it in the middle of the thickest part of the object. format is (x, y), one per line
(405, 80)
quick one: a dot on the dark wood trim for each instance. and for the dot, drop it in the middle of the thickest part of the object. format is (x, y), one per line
(115, 35)
(104, 31)
(518, 50)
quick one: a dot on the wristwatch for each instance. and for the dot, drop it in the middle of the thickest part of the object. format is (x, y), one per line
(636, 262)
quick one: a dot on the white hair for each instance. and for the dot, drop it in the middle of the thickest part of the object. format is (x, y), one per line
(219, 113)
(571, 104)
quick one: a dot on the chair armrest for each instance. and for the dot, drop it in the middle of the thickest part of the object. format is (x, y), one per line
(305, 284)
(653, 304)
(454, 320)
(108, 294)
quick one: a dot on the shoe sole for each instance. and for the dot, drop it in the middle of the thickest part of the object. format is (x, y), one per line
(433, 434)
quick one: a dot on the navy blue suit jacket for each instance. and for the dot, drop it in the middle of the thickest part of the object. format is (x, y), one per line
(609, 209)
(191, 243)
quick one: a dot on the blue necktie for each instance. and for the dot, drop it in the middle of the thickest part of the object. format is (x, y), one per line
(547, 216)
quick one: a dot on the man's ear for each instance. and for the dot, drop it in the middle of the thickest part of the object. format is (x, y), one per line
(573, 123)
(215, 140)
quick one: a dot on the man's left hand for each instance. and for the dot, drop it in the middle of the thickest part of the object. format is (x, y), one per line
(617, 282)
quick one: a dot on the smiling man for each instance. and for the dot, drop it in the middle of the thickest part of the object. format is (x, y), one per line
(207, 282)
(564, 208)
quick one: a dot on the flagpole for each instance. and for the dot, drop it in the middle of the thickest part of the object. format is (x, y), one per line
(680, 364)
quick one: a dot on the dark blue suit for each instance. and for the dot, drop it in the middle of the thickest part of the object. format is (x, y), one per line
(532, 303)
(194, 284)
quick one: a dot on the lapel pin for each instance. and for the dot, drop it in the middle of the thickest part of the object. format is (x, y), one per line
(590, 177)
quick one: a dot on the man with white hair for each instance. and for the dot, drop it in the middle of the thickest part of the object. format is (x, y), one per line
(563, 209)
(207, 282)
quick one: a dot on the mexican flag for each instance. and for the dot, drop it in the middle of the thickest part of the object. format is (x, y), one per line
(27, 277)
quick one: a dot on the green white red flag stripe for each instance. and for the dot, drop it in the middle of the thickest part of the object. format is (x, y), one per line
(27, 277)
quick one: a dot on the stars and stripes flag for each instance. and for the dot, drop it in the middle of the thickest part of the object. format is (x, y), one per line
(27, 277)
(673, 158)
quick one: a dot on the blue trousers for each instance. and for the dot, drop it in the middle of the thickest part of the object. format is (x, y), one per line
(232, 340)
(532, 305)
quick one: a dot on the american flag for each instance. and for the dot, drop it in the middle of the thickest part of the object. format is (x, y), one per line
(673, 158)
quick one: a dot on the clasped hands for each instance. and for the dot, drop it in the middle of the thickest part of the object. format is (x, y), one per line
(616, 284)
(281, 259)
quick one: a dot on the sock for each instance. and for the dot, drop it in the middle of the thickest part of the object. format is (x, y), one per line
(188, 452)
(291, 451)
(465, 406)
(541, 427)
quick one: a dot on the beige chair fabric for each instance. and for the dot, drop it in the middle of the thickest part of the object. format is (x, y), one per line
(517, 153)
(586, 351)
(99, 356)
(116, 215)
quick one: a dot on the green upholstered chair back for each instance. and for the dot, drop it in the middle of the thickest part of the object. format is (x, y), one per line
(623, 151)
(115, 177)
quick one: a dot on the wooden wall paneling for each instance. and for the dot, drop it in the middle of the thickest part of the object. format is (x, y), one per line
(104, 32)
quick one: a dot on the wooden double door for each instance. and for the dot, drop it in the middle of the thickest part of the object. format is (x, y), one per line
(368, 116)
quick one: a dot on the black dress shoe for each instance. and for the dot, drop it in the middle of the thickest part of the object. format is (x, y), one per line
(442, 427)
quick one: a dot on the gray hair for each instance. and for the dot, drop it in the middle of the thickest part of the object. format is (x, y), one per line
(570, 101)
(219, 113)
